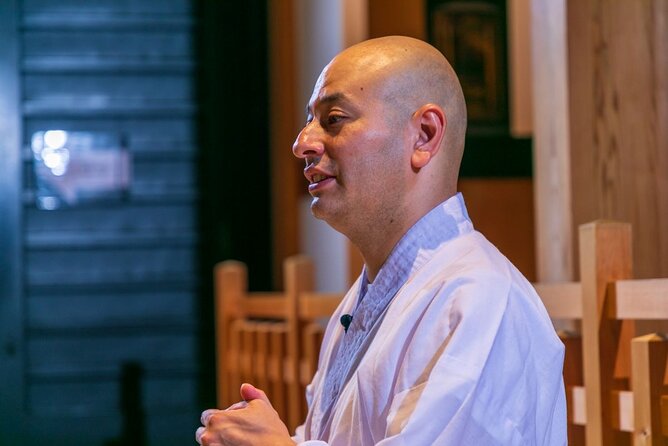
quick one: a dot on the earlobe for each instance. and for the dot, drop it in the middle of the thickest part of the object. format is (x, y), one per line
(420, 158)
(431, 123)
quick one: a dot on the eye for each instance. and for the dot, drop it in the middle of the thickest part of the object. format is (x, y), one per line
(334, 118)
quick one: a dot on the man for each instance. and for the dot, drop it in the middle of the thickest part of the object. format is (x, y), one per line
(447, 343)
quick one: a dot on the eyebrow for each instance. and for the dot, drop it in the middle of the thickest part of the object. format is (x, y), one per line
(334, 97)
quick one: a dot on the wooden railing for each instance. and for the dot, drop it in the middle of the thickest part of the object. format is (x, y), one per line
(270, 339)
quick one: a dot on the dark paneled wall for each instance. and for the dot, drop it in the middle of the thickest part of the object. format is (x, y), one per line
(112, 283)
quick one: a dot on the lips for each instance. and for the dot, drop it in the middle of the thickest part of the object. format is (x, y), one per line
(318, 178)
(315, 175)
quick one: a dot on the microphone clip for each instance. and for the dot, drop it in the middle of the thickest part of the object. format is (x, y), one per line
(345, 320)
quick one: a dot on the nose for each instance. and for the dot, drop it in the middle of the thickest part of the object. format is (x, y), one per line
(308, 143)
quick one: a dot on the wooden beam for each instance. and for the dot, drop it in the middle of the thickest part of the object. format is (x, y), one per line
(639, 299)
(264, 305)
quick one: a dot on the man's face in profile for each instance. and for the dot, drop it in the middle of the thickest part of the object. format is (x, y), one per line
(353, 148)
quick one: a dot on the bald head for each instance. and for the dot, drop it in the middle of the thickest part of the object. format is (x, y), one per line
(410, 73)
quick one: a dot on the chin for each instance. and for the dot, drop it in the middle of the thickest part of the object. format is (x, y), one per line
(322, 211)
(318, 209)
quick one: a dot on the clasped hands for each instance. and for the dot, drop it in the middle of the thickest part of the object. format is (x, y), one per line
(252, 421)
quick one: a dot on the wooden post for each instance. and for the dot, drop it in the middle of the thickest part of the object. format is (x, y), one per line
(287, 180)
(231, 284)
(648, 361)
(605, 256)
(299, 274)
(552, 166)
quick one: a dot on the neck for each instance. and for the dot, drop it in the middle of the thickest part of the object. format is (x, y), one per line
(376, 245)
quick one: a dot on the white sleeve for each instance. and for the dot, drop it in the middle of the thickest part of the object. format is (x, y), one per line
(497, 381)
(299, 438)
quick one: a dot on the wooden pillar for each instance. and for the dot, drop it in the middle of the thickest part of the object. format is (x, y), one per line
(287, 180)
(605, 256)
(618, 70)
(552, 175)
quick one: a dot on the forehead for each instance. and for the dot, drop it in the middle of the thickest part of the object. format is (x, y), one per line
(343, 82)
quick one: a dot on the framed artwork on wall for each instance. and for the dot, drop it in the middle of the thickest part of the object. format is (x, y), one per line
(471, 34)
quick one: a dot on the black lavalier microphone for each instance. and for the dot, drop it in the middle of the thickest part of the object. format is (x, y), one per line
(346, 319)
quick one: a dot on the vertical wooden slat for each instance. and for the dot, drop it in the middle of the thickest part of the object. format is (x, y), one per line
(247, 351)
(276, 375)
(648, 359)
(235, 354)
(261, 353)
(605, 256)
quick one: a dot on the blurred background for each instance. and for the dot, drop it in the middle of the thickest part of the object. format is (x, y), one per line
(142, 141)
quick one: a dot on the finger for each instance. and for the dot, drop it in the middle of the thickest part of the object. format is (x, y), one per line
(198, 434)
(206, 415)
(250, 392)
(239, 405)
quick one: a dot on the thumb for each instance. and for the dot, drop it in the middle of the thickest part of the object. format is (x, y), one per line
(250, 392)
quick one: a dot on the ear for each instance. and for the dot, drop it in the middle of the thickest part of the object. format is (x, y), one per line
(430, 123)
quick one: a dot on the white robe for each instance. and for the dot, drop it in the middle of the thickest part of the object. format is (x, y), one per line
(465, 355)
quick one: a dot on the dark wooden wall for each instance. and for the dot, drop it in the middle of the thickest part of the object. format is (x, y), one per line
(109, 284)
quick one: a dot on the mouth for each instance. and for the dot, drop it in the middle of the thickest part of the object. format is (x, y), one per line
(318, 178)
(319, 182)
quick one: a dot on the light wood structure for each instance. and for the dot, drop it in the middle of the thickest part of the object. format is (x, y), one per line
(617, 393)
(614, 374)
(600, 104)
(269, 339)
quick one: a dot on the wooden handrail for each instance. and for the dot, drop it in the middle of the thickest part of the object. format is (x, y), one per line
(639, 299)
(264, 305)
(316, 305)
